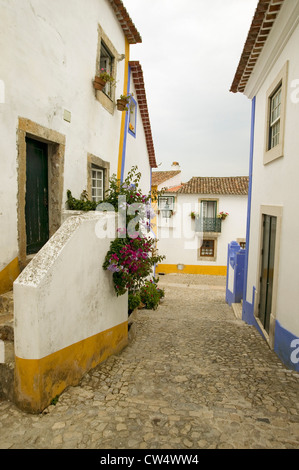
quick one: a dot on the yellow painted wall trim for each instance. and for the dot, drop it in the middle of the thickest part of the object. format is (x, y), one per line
(8, 275)
(192, 269)
(38, 381)
(123, 114)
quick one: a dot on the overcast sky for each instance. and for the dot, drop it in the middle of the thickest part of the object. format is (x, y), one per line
(189, 54)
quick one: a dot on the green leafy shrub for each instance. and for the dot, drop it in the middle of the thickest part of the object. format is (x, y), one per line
(151, 295)
(134, 301)
(83, 204)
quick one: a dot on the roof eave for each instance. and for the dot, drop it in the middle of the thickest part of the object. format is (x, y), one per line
(237, 186)
(125, 22)
(138, 80)
(261, 26)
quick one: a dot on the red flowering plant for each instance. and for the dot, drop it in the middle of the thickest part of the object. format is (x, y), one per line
(151, 295)
(133, 253)
(131, 261)
(107, 77)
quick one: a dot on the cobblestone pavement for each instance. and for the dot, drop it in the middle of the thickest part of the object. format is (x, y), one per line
(192, 377)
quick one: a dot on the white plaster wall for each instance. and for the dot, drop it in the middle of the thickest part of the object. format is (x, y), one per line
(136, 150)
(171, 182)
(47, 64)
(178, 241)
(277, 182)
(64, 296)
(8, 188)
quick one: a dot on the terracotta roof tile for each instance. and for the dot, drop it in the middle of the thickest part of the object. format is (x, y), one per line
(174, 189)
(125, 21)
(216, 185)
(141, 98)
(262, 23)
(159, 177)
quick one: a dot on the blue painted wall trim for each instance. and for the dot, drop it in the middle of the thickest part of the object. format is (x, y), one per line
(133, 134)
(286, 346)
(125, 133)
(235, 260)
(245, 314)
(248, 313)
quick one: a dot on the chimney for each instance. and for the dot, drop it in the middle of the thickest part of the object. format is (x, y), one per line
(175, 166)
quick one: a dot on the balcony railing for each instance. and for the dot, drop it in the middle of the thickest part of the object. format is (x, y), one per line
(207, 224)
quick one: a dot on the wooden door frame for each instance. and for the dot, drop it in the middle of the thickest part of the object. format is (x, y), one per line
(37, 163)
(275, 211)
(56, 146)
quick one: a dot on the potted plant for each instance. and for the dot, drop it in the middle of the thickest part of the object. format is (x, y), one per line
(101, 80)
(123, 101)
(193, 215)
(222, 215)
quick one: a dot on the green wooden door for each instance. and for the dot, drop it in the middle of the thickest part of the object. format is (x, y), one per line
(36, 206)
(267, 270)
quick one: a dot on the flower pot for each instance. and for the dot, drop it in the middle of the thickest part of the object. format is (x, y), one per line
(99, 83)
(121, 105)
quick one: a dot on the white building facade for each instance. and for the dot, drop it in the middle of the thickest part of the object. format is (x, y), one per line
(57, 131)
(268, 74)
(191, 233)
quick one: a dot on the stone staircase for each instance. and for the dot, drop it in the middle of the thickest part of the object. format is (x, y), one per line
(6, 346)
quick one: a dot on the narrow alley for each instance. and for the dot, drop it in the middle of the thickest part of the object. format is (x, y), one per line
(192, 377)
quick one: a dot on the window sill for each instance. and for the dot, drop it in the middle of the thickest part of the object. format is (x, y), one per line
(273, 154)
(133, 134)
(211, 234)
(206, 258)
(105, 101)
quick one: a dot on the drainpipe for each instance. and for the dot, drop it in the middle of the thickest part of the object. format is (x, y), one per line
(249, 203)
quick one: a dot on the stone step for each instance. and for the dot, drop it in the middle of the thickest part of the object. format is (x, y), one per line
(7, 355)
(7, 331)
(7, 351)
(7, 364)
(6, 303)
(6, 317)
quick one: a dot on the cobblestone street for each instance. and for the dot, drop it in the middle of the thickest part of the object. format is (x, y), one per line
(192, 377)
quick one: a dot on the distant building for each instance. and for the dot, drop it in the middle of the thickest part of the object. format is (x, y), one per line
(167, 179)
(268, 74)
(190, 231)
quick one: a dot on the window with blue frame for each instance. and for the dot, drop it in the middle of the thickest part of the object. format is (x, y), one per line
(132, 117)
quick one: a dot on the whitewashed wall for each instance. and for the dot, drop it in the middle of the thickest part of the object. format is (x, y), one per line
(171, 182)
(277, 182)
(64, 296)
(47, 64)
(178, 241)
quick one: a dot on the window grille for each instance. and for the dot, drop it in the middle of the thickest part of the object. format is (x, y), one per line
(97, 184)
(274, 130)
(207, 248)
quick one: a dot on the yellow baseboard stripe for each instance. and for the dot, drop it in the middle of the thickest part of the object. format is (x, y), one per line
(8, 275)
(191, 269)
(38, 381)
